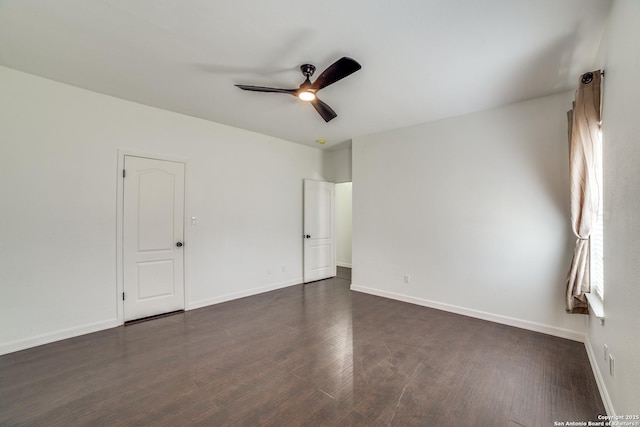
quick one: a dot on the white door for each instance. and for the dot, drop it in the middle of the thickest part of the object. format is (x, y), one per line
(153, 233)
(319, 230)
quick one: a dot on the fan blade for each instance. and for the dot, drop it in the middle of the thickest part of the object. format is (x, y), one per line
(268, 89)
(336, 71)
(325, 111)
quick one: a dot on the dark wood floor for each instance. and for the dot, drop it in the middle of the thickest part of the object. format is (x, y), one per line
(308, 355)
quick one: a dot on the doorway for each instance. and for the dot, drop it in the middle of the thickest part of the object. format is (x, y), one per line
(344, 205)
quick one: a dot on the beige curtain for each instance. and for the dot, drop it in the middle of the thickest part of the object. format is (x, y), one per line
(584, 152)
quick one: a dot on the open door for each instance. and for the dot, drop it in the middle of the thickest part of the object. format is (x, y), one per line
(319, 230)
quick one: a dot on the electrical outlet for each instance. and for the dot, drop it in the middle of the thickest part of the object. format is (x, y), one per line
(407, 279)
(284, 268)
(611, 364)
(606, 353)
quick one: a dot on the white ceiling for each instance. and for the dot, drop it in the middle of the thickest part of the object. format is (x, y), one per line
(422, 60)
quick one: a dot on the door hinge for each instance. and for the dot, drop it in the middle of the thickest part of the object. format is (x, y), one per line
(123, 296)
(124, 173)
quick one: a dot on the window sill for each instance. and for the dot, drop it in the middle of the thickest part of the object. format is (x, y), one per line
(596, 305)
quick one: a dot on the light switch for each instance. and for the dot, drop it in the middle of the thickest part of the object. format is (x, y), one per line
(611, 365)
(193, 220)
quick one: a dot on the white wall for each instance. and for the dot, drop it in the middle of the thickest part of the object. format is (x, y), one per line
(343, 224)
(58, 166)
(475, 209)
(620, 58)
(337, 167)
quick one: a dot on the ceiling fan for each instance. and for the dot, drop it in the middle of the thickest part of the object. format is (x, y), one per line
(340, 69)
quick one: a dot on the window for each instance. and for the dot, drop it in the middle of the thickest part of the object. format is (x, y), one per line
(596, 239)
(597, 257)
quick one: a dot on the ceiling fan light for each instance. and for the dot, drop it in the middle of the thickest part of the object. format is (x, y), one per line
(307, 95)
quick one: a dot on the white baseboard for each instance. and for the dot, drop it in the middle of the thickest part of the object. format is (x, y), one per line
(604, 394)
(249, 292)
(63, 334)
(343, 264)
(497, 318)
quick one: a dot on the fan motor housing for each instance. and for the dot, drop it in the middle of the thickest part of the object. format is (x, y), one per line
(307, 69)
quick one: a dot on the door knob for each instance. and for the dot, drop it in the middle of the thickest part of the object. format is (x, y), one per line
(179, 244)
(307, 236)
